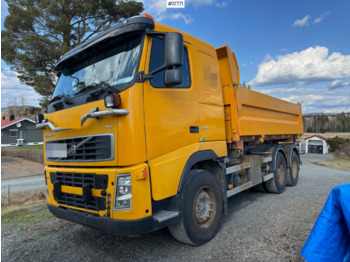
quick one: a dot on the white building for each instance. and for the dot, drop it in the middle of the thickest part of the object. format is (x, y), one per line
(316, 144)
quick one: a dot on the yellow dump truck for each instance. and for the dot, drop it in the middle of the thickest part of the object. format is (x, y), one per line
(149, 127)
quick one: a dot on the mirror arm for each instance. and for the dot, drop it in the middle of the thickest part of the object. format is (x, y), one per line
(152, 33)
(143, 77)
(161, 68)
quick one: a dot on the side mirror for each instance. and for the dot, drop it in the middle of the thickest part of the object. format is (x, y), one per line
(173, 50)
(39, 118)
(172, 77)
(40, 63)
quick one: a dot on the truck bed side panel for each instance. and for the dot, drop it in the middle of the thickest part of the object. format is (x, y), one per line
(249, 114)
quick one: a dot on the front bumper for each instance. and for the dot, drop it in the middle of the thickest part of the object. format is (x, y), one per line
(122, 227)
(92, 190)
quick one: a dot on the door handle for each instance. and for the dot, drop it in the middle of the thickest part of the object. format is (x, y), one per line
(194, 129)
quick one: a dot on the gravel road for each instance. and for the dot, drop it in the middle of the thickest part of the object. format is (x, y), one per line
(258, 227)
(21, 184)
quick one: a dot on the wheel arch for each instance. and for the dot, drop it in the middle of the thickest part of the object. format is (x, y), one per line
(288, 151)
(206, 160)
(296, 151)
(276, 150)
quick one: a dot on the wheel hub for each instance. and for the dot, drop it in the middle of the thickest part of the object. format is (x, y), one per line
(280, 174)
(295, 169)
(203, 207)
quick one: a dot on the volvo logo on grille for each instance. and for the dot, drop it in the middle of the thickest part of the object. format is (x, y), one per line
(73, 149)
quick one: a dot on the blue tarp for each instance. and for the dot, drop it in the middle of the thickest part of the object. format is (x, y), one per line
(329, 240)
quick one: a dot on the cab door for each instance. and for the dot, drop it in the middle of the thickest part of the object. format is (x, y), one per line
(171, 113)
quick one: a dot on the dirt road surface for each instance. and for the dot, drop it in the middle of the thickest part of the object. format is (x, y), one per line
(258, 227)
(14, 167)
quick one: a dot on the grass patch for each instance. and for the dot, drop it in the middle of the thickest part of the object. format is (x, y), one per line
(28, 215)
(337, 163)
(24, 210)
(19, 200)
(36, 147)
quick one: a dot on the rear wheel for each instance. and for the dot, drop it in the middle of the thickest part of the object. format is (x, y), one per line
(293, 174)
(202, 207)
(278, 183)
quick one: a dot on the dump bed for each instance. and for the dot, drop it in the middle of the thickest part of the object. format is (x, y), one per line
(250, 115)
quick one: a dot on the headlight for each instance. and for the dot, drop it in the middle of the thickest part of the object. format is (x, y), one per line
(46, 185)
(123, 194)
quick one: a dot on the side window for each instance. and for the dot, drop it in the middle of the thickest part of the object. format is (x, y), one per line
(157, 59)
(13, 132)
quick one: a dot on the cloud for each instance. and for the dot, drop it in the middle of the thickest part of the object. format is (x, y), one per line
(222, 4)
(154, 7)
(4, 8)
(311, 65)
(12, 89)
(305, 21)
(159, 10)
(199, 3)
(320, 18)
(187, 18)
(4, 11)
(339, 84)
(302, 22)
(318, 99)
(321, 103)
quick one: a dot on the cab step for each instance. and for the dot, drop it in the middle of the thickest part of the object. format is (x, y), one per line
(164, 215)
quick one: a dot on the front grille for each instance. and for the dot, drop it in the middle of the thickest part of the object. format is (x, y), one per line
(96, 203)
(87, 148)
(86, 181)
(80, 179)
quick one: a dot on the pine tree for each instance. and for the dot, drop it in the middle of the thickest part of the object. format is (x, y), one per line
(46, 29)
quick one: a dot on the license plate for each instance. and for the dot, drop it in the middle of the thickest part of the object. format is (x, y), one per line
(56, 150)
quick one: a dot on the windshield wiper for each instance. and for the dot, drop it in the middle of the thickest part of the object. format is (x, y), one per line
(105, 85)
(101, 84)
(86, 88)
(60, 97)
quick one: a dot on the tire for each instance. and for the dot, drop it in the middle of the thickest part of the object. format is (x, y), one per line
(293, 174)
(201, 209)
(278, 183)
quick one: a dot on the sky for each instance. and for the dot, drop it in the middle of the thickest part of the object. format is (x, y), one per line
(296, 50)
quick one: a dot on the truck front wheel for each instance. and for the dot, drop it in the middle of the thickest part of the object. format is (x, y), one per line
(202, 206)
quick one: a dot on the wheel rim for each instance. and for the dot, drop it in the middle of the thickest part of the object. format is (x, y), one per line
(281, 173)
(295, 169)
(204, 207)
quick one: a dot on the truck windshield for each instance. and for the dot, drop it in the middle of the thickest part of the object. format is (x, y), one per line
(114, 64)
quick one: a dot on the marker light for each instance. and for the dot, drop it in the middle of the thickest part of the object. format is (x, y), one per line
(112, 101)
(149, 16)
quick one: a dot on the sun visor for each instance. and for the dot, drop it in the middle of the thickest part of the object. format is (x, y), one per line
(136, 23)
